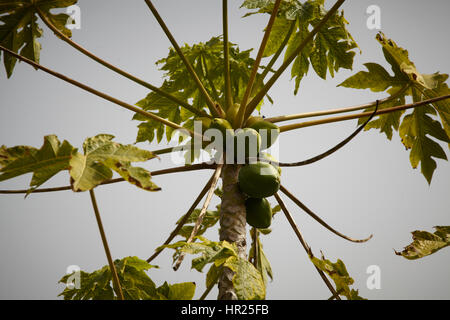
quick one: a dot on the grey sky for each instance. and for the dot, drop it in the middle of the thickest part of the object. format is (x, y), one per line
(368, 187)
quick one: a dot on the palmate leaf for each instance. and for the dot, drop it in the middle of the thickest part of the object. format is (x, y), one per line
(207, 60)
(339, 274)
(247, 280)
(418, 129)
(101, 155)
(44, 163)
(135, 283)
(19, 30)
(331, 49)
(426, 243)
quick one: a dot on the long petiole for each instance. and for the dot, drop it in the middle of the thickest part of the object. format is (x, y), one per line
(360, 115)
(202, 213)
(185, 218)
(336, 111)
(97, 93)
(208, 77)
(226, 55)
(256, 64)
(211, 105)
(335, 148)
(318, 219)
(194, 167)
(305, 245)
(260, 95)
(279, 51)
(112, 267)
(108, 65)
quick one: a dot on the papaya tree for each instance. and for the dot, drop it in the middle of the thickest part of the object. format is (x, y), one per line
(210, 107)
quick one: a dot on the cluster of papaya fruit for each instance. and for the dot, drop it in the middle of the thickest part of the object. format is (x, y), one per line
(257, 180)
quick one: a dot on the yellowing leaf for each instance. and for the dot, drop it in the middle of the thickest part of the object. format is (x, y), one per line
(101, 155)
(44, 163)
(338, 273)
(19, 30)
(426, 243)
(418, 130)
(97, 285)
(248, 282)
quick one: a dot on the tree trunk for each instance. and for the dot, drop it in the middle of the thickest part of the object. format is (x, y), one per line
(232, 225)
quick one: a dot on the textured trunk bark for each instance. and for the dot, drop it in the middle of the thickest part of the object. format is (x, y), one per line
(232, 225)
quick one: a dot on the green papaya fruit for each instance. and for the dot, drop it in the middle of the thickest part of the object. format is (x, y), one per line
(220, 124)
(259, 180)
(259, 213)
(251, 120)
(225, 128)
(246, 142)
(268, 131)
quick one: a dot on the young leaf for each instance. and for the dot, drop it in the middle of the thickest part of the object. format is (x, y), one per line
(418, 127)
(207, 60)
(101, 155)
(19, 30)
(426, 243)
(44, 163)
(338, 273)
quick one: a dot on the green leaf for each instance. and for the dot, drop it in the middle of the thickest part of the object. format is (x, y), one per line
(207, 60)
(97, 285)
(248, 282)
(376, 79)
(426, 243)
(418, 129)
(178, 291)
(101, 155)
(279, 31)
(338, 273)
(44, 163)
(19, 30)
(134, 175)
(415, 131)
(213, 275)
(8, 155)
(330, 50)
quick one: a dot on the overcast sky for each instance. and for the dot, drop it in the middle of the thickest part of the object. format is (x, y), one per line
(367, 188)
